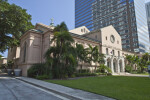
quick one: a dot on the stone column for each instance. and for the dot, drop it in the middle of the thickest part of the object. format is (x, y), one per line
(105, 61)
(123, 65)
(118, 66)
(112, 65)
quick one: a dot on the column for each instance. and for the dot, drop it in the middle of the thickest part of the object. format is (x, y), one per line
(105, 62)
(118, 66)
(112, 66)
(123, 65)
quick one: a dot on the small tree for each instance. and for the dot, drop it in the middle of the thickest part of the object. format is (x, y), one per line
(95, 56)
(82, 54)
(103, 68)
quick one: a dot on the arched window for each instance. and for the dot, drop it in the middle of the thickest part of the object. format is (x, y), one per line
(24, 52)
(107, 51)
(113, 52)
(119, 53)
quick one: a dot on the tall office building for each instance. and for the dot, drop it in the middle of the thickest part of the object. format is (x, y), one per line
(127, 16)
(148, 15)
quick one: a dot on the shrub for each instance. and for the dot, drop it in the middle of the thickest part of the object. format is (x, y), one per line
(38, 70)
(83, 70)
(109, 74)
(42, 77)
(103, 68)
(128, 69)
(3, 66)
(85, 74)
(73, 76)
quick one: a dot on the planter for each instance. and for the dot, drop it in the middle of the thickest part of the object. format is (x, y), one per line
(9, 71)
(17, 72)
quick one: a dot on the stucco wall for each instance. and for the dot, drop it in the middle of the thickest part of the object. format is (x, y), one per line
(3, 61)
(106, 42)
(80, 31)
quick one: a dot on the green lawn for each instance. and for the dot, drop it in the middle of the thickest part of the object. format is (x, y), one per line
(119, 87)
(144, 74)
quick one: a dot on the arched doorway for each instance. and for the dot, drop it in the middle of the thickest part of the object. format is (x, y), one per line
(109, 63)
(120, 65)
(115, 65)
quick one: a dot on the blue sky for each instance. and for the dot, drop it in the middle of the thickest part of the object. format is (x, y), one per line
(43, 10)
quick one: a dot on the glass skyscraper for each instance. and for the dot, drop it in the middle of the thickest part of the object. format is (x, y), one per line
(148, 15)
(127, 16)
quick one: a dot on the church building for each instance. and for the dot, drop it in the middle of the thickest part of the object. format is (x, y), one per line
(35, 42)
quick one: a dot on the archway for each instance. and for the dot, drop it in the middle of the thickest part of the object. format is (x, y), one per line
(120, 65)
(115, 65)
(109, 63)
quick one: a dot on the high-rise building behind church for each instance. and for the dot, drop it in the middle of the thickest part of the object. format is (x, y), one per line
(127, 16)
(148, 15)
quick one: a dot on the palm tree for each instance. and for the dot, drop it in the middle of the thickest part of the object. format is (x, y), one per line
(62, 56)
(82, 54)
(95, 56)
(144, 61)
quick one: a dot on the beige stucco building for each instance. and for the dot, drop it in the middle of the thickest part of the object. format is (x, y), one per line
(3, 61)
(35, 42)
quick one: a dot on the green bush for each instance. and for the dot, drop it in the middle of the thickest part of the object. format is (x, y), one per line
(3, 66)
(128, 69)
(38, 70)
(72, 76)
(42, 77)
(85, 74)
(102, 69)
(109, 74)
(83, 70)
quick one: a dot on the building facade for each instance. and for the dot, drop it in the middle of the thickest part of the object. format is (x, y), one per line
(35, 42)
(148, 15)
(3, 61)
(128, 17)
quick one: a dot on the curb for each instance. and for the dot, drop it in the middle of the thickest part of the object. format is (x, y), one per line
(51, 90)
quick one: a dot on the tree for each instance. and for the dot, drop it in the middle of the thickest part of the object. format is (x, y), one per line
(1, 57)
(144, 61)
(62, 56)
(140, 62)
(95, 56)
(14, 21)
(82, 54)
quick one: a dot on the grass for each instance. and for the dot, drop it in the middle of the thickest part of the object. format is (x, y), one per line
(144, 74)
(118, 87)
(140, 73)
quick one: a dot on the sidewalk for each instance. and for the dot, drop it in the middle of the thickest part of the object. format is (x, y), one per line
(135, 75)
(72, 94)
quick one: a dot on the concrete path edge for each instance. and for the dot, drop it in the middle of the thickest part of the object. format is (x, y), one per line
(51, 90)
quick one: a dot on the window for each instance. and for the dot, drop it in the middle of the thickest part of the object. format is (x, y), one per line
(107, 51)
(95, 36)
(24, 54)
(113, 52)
(119, 53)
(117, 42)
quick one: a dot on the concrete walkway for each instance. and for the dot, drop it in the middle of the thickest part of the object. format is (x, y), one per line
(135, 75)
(13, 89)
(73, 94)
